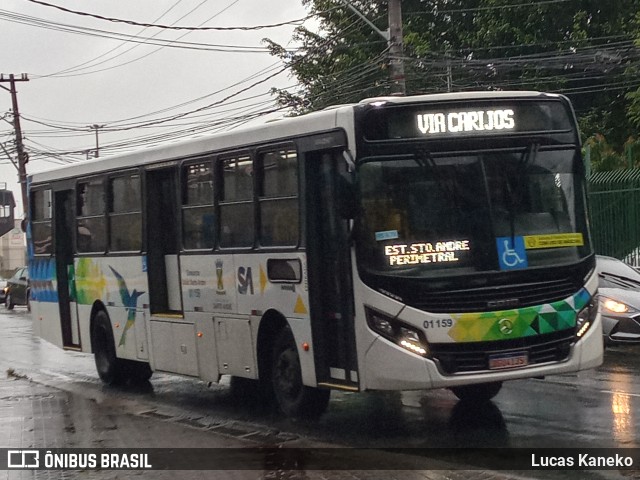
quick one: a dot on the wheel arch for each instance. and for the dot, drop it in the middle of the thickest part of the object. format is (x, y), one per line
(271, 324)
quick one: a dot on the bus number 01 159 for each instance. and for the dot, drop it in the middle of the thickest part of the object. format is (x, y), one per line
(438, 323)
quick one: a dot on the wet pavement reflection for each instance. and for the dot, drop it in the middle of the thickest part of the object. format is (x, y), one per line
(591, 409)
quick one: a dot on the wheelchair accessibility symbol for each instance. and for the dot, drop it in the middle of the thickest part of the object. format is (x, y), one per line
(511, 253)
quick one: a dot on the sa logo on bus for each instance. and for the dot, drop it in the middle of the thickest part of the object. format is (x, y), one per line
(245, 281)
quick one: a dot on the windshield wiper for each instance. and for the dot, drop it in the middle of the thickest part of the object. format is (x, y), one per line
(426, 162)
(527, 158)
(529, 155)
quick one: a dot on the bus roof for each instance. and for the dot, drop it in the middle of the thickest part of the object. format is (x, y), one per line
(460, 96)
(270, 131)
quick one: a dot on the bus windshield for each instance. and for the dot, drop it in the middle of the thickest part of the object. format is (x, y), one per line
(427, 215)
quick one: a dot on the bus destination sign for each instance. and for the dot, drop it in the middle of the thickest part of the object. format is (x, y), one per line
(474, 119)
(465, 121)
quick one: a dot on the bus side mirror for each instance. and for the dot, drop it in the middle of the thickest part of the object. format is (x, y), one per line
(346, 196)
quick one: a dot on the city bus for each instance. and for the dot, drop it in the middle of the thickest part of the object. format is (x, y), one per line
(400, 243)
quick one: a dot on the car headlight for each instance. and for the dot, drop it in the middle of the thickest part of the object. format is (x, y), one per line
(586, 317)
(401, 334)
(613, 306)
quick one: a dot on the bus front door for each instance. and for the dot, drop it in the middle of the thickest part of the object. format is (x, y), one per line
(64, 227)
(330, 283)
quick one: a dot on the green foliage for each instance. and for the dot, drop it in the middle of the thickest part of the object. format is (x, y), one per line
(581, 48)
(604, 157)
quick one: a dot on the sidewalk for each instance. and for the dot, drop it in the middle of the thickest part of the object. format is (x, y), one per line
(34, 414)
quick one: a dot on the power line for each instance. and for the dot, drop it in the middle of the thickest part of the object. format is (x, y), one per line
(537, 3)
(92, 32)
(171, 27)
(76, 71)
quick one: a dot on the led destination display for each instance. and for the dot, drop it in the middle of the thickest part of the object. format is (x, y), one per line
(425, 252)
(454, 122)
(466, 119)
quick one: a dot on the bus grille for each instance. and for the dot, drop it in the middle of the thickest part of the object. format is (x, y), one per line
(491, 298)
(458, 358)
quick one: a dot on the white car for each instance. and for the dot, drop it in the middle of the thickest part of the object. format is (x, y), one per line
(619, 297)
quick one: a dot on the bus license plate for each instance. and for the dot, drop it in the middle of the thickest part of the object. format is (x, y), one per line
(508, 360)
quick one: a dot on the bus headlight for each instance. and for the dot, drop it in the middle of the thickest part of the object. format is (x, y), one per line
(586, 317)
(399, 333)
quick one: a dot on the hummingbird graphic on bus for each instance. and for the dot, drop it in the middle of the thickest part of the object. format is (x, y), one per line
(130, 301)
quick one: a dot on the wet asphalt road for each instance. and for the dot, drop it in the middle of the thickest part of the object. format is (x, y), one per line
(592, 409)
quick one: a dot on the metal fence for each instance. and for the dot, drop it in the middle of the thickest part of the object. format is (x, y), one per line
(614, 199)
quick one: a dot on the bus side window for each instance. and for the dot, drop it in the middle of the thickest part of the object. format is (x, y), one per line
(198, 217)
(125, 213)
(278, 198)
(236, 202)
(91, 222)
(41, 213)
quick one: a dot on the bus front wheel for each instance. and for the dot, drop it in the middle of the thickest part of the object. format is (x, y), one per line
(479, 393)
(294, 399)
(109, 366)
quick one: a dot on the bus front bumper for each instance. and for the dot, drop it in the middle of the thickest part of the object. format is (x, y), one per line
(391, 367)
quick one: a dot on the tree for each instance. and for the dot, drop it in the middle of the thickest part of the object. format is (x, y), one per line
(581, 48)
(343, 62)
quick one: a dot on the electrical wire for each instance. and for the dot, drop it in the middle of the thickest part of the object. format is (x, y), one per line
(171, 27)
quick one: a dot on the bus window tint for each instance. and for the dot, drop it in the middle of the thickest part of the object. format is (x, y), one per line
(125, 219)
(278, 187)
(428, 215)
(236, 202)
(91, 223)
(41, 221)
(198, 218)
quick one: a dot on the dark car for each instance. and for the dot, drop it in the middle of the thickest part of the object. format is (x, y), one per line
(619, 297)
(17, 289)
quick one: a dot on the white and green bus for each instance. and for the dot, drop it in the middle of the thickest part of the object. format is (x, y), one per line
(400, 243)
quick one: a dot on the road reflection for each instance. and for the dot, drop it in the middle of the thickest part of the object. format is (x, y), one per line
(623, 416)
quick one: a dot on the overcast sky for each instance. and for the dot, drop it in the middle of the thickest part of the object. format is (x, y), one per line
(82, 79)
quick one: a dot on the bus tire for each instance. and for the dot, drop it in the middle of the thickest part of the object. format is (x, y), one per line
(293, 398)
(136, 372)
(109, 366)
(477, 393)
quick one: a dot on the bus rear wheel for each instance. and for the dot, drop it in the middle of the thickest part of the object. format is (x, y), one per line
(478, 393)
(136, 372)
(108, 365)
(293, 398)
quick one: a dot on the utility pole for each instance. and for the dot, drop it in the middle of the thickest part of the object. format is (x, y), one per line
(23, 157)
(395, 41)
(96, 128)
(396, 54)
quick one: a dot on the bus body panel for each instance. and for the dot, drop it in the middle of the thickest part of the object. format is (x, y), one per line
(485, 326)
(388, 366)
(46, 322)
(207, 355)
(585, 354)
(240, 283)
